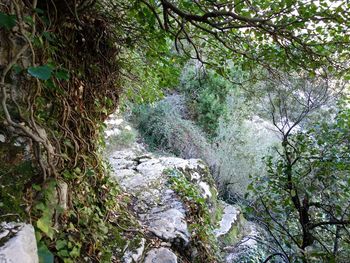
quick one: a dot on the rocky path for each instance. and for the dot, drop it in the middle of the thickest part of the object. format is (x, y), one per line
(158, 208)
(162, 213)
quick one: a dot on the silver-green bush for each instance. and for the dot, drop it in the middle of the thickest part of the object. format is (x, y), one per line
(242, 142)
(163, 128)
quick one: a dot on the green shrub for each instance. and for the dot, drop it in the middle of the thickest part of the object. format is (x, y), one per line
(206, 94)
(242, 142)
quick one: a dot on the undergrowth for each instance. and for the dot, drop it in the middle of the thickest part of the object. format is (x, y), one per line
(206, 93)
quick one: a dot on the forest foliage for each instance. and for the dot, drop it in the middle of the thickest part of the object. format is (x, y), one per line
(65, 65)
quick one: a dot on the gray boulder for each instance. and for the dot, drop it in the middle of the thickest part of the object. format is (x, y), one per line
(19, 243)
(160, 255)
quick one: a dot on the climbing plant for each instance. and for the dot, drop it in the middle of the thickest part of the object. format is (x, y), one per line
(59, 81)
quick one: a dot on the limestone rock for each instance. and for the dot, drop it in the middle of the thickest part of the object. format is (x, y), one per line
(229, 219)
(246, 245)
(135, 255)
(119, 164)
(190, 165)
(20, 247)
(170, 226)
(160, 255)
(162, 213)
(151, 169)
(205, 189)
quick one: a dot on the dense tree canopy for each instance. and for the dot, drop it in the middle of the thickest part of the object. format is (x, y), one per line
(307, 34)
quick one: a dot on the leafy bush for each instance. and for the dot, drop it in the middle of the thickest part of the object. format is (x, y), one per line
(304, 197)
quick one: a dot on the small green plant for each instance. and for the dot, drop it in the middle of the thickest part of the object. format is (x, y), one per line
(206, 93)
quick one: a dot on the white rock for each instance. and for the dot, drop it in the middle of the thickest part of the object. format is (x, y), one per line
(195, 176)
(170, 225)
(174, 162)
(21, 247)
(114, 121)
(2, 138)
(112, 132)
(151, 169)
(206, 189)
(128, 154)
(135, 255)
(119, 164)
(160, 255)
(122, 174)
(134, 183)
(230, 217)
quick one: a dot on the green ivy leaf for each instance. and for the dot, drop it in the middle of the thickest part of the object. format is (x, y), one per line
(29, 20)
(17, 69)
(293, 193)
(41, 206)
(36, 187)
(49, 36)
(60, 244)
(7, 21)
(45, 255)
(40, 72)
(39, 11)
(62, 75)
(44, 224)
(75, 252)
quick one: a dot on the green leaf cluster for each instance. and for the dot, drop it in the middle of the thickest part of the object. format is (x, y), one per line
(7, 21)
